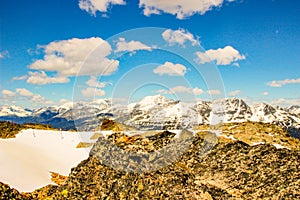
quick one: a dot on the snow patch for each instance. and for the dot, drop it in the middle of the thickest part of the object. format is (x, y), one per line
(257, 143)
(28, 159)
(278, 146)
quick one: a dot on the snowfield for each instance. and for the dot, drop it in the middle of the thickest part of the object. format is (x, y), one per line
(28, 159)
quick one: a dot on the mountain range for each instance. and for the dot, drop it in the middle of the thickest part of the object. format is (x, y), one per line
(155, 112)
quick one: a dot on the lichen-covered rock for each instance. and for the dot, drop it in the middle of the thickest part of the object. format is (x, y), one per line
(43, 193)
(233, 170)
(9, 193)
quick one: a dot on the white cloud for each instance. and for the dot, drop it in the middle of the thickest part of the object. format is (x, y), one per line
(35, 98)
(214, 92)
(265, 93)
(4, 54)
(93, 89)
(283, 82)
(92, 92)
(93, 82)
(234, 93)
(180, 37)
(74, 57)
(8, 93)
(198, 91)
(285, 102)
(181, 8)
(182, 89)
(170, 69)
(41, 78)
(64, 101)
(39, 99)
(131, 46)
(24, 94)
(227, 55)
(19, 78)
(92, 6)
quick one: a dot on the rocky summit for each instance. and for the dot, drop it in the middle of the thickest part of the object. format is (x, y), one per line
(206, 169)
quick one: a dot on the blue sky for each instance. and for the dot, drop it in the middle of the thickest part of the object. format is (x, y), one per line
(56, 51)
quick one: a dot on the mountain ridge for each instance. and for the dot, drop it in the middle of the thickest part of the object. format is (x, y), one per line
(156, 112)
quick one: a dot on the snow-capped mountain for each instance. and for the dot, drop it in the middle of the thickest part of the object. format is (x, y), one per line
(14, 111)
(295, 109)
(155, 112)
(159, 112)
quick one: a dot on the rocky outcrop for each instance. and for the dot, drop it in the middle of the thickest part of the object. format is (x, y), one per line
(231, 170)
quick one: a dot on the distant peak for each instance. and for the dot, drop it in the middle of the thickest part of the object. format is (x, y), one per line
(154, 99)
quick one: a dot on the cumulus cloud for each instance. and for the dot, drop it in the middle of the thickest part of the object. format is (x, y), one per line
(227, 55)
(131, 46)
(214, 92)
(180, 8)
(41, 78)
(92, 92)
(93, 89)
(198, 91)
(280, 83)
(92, 6)
(170, 69)
(234, 93)
(19, 78)
(25, 94)
(180, 37)
(74, 57)
(8, 93)
(182, 89)
(35, 98)
(286, 102)
(93, 82)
